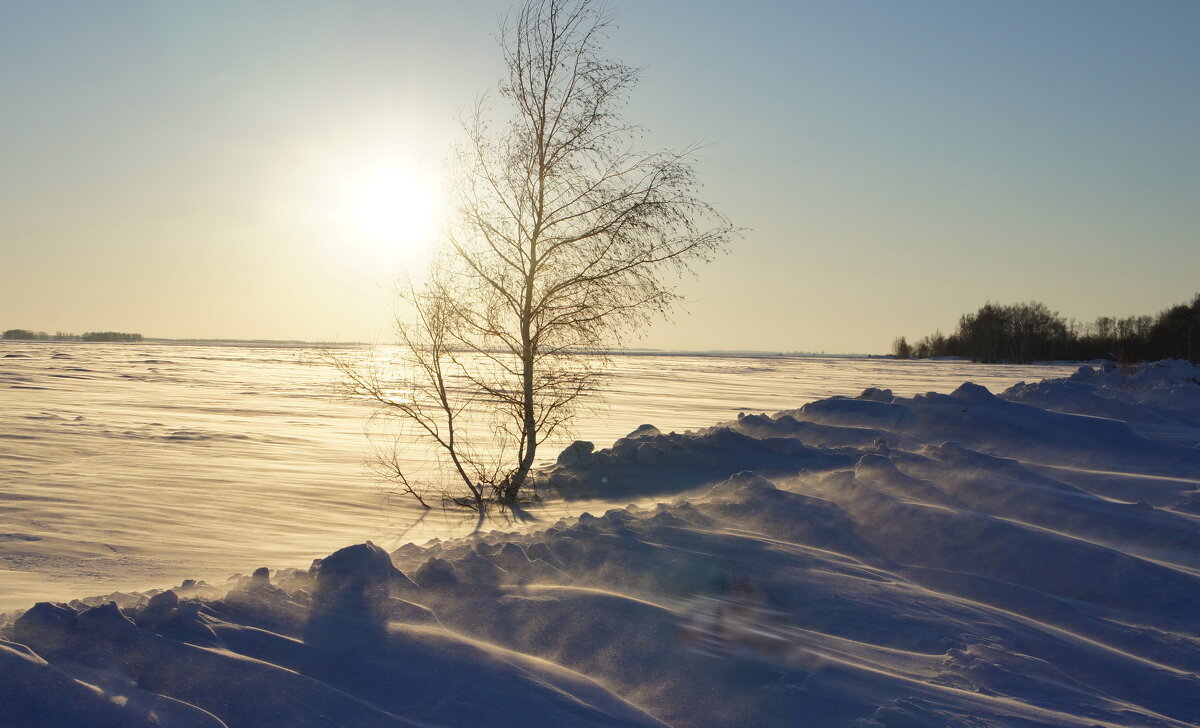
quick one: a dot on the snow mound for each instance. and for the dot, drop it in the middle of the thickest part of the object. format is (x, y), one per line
(658, 464)
(1160, 400)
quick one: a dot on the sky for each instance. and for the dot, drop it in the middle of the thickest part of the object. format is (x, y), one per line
(222, 169)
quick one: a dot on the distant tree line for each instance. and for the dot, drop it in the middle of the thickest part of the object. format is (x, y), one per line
(110, 336)
(1025, 332)
(27, 335)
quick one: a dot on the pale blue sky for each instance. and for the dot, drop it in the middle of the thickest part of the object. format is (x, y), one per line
(175, 168)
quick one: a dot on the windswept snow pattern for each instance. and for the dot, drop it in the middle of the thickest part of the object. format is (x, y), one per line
(879, 561)
(129, 466)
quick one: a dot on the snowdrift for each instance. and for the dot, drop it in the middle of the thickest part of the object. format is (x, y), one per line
(1027, 559)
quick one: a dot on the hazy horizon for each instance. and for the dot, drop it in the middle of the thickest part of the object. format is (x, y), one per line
(151, 339)
(225, 171)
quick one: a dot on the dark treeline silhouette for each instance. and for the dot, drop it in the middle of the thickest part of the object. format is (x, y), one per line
(27, 335)
(110, 336)
(1025, 332)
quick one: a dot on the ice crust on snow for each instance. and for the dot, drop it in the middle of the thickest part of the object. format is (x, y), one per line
(965, 559)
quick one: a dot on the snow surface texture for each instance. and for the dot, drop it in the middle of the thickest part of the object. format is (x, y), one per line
(955, 560)
(129, 466)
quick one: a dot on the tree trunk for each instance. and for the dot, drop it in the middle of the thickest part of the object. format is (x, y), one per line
(529, 432)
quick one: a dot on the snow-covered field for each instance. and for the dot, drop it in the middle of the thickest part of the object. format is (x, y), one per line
(131, 466)
(890, 558)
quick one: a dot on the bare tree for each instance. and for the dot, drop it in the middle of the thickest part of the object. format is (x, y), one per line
(563, 236)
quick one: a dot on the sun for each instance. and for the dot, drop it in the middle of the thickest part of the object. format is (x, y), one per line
(393, 210)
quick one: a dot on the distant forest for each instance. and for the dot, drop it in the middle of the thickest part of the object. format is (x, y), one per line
(27, 335)
(1020, 333)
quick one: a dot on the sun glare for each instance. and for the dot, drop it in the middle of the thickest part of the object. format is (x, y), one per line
(393, 209)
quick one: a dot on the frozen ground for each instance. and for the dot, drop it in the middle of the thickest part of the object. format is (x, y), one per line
(133, 466)
(961, 559)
